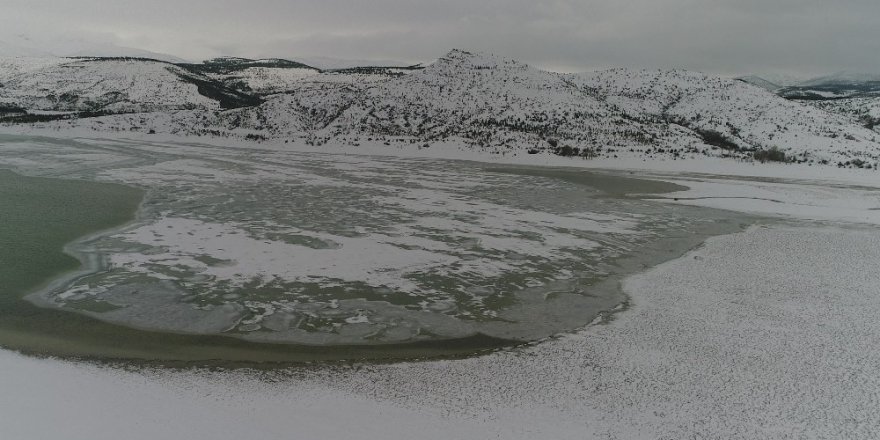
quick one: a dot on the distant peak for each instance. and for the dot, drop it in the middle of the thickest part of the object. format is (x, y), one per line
(459, 55)
(228, 63)
(470, 60)
(228, 60)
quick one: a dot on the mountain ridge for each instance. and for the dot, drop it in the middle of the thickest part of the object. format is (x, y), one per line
(479, 100)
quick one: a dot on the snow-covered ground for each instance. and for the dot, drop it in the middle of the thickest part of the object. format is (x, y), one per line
(767, 333)
(735, 340)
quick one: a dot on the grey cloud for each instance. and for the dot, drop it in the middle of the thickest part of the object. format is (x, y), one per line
(720, 36)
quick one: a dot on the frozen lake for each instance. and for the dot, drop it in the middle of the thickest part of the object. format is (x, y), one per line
(318, 250)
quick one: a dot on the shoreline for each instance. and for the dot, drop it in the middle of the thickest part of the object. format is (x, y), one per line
(453, 150)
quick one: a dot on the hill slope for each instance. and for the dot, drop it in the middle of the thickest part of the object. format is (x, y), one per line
(108, 85)
(472, 99)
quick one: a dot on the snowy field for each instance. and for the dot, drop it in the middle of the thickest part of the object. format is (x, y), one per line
(766, 333)
(730, 341)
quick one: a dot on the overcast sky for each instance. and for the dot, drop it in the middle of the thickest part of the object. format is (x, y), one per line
(717, 36)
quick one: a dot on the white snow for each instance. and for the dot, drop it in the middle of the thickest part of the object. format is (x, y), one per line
(787, 199)
(735, 340)
(45, 398)
(12, 66)
(370, 259)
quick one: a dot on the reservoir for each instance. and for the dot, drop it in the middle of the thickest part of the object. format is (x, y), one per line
(192, 253)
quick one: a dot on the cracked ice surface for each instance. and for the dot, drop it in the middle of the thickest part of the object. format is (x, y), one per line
(333, 248)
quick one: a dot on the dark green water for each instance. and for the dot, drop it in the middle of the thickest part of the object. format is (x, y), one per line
(39, 216)
(614, 186)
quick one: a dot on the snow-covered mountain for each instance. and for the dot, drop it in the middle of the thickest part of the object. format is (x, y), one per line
(479, 100)
(838, 86)
(855, 96)
(489, 101)
(112, 51)
(760, 82)
(723, 111)
(110, 85)
(861, 110)
(772, 81)
(259, 77)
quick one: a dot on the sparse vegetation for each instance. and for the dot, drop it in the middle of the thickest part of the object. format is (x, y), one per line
(255, 137)
(717, 139)
(567, 151)
(227, 97)
(11, 108)
(773, 154)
